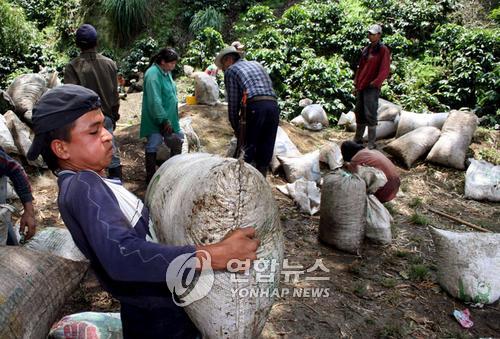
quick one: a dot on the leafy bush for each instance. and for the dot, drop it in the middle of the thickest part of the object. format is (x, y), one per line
(201, 52)
(209, 17)
(42, 12)
(67, 20)
(138, 58)
(256, 19)
(127, 17)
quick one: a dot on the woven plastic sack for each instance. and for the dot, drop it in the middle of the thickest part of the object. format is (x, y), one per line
(385, 130)
(468, 264)
(343, 211)
(413, 145)
(25, 91)
(378, 221)
(482, 181)
(305, 193)
(283, 146)
(191, 140)
(88, 325)
(330, 153)
(34, 287)
(56, 241)
(373, 177)
(205, 89)
(314, 114)
(305, 166)
(387, 111)
(451, 148)
(6, 139)
(198, 198)
(410, 121)
(298, 121)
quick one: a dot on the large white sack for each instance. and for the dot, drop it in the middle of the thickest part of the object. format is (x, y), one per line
(56, 241)
(378, 221)
(387, 111)
(205, 89)
(343, 211)
(298, 121)
(468, 264)
(409, 121)
(314, 114)
(198, 198)
(22, 137)
(373, 178)
(331, 154)
(385, 130)
(413, 145)
(191, 140)
(482, 181)
(34, 286)
(305, 193)
(25, 91)
(304, 166)
(88, 325)
(456, 135)
(6, 139)
(282, 146)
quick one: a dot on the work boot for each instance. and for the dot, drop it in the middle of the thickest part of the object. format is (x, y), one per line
(360, 130)
(372, 133)
(262, 170)
(150, 166)
(115, 172)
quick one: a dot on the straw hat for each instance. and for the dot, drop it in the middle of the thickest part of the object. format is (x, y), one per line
(223, 53)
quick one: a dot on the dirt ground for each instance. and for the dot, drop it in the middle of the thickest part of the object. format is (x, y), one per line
(388, 291)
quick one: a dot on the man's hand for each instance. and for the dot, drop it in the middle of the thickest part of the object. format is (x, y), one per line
(28, 220)
(239, 244)
(166, 128)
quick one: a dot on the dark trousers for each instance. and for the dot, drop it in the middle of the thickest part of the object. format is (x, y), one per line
(156, 323)
(262, 125)
(367, 106)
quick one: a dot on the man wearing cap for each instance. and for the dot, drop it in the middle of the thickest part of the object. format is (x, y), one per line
(111, 226)
(373, 69)
(99, 73)
(262, 112)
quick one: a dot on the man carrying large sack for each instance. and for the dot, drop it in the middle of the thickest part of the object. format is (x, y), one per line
(373, 69)
(262, 112)
(110, 225)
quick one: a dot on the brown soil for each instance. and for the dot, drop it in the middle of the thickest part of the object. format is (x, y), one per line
(377, 294)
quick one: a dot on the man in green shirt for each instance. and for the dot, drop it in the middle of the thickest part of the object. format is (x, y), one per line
(98, 73)
(160, 116)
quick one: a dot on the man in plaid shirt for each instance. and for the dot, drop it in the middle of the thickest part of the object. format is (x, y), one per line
(262, 115)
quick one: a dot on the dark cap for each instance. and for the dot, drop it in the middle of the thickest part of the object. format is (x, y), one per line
(58, 107)
(86, 36)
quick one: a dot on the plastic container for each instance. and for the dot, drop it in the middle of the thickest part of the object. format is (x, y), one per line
(191, 100)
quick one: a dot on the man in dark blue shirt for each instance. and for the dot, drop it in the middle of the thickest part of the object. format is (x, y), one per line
(262, 112)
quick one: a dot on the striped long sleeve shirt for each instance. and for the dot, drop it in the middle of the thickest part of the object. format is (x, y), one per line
(17, 175)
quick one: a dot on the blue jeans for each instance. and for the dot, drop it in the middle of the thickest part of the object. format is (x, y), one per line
(115, 159)
(173, 141)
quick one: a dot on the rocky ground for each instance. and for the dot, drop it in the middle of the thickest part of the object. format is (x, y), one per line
(387, 291)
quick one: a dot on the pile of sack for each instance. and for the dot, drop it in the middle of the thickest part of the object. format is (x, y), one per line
(206, 89)
(313, 117)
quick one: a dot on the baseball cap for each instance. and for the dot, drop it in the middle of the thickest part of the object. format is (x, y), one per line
(375, 29)
(58, 107)
(86, 35)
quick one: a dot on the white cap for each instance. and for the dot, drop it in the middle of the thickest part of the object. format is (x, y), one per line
(375, 29)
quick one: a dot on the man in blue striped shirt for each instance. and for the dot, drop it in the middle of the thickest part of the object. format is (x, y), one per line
(262, 115)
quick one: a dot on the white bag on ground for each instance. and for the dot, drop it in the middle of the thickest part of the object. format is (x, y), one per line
(373, 177)
(304, 166)
(385, 130)
(282, 146)
(305, 193)
(22, 136)
(6, 139)
(205, 89)
(88, 325)
(198, 198)
(482, 181)
(343, 211)
(56, 241)
(468, 264)
(348, 120)
(191, 140)
(34, 287)
(330, 153)
(409, 121)
(314, 114)
(378, 221)
(413, 145)
(298, 121)
(387, 111)
(451, 148)
(25, 91)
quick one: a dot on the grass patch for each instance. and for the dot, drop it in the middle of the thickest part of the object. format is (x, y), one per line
(393, 331)
(360, 289)
(418, 272)
(419, 219)
(389, 282)
(402, 253)
(491, 155)
(391, 208)
(416, 202)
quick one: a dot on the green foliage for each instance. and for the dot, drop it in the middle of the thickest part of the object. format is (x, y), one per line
(127, 17)
(201, 52)
(42, 12)
(205, 18)
(419, 219)
(495, 15)
(67, 20)
(418, 272)
(256, 19)
(138, 58)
